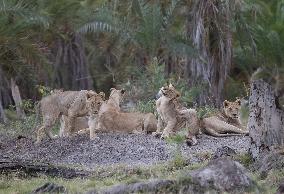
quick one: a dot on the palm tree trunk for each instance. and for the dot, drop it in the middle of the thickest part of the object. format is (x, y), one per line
(17, 99)
(3, 117)
(208, 28)
(71, 69)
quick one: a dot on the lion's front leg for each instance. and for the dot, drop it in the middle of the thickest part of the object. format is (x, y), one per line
(159, 127)
(93, 126)
(69, 125)
(169, 128)
(40, 134)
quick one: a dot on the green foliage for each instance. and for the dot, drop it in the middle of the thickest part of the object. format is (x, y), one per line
(28, 106)
(25, 127)
(178, 138)
(146, 83)
(19, 127)
(44, 90)
(245, 159)
(189, 95)
(235, 88)
(146, 107)
(244, 114)
(206, 111)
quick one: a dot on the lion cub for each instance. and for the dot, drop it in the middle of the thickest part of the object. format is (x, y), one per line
(110, 118)
(83, 124)
(69, 103)
(173, 118)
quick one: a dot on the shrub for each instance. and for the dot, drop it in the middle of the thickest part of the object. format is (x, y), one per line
(147, 82)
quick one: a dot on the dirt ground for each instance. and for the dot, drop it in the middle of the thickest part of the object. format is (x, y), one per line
(129, 149)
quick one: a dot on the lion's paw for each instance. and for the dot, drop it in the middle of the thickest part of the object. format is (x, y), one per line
(157, 134)
(165, 136)
(94, 138)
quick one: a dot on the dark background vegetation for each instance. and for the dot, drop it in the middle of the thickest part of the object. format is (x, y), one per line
(209, 48)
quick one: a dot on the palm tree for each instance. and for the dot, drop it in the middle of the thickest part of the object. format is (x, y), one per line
(208, 26)
(21, 53)
(260, 40)
(67, 53)
(145, 30)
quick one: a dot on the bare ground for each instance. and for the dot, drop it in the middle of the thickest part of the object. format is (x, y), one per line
(129, 149)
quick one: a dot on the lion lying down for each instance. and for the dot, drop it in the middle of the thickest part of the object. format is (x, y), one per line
(172, 118)
(110, 118)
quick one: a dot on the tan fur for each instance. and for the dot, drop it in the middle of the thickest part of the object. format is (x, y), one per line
(172, 118)
(225, 123)
(82, 124)
(111, 119)
(69, 103)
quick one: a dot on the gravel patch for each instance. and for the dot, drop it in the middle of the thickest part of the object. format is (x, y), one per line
(130, 149)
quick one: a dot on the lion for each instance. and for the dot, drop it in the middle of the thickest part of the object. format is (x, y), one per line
(110, 118)
(173, 117)
(82, 124)
(68, 103)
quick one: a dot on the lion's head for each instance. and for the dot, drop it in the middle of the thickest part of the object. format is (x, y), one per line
(94, 102)
(117, 95)
(232, 109)
(169, 91)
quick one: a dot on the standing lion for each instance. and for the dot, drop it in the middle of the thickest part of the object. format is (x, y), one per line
(71, 104)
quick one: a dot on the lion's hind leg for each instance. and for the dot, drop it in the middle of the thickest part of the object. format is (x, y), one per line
(218, 128)
(45, 129)
(42, 131)
(214, 133)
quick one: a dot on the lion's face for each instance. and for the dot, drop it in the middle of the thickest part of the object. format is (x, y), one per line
(117, 94)
(95, 102)
(169, 91)
(232, 109)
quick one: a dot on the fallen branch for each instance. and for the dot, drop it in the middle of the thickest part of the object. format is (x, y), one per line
(8, 166)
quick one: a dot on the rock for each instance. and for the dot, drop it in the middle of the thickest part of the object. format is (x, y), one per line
(153, 186)
(224, 151)
(221, 175)
(224, 175)
(50, 188)
(267, 162)
(280, 189)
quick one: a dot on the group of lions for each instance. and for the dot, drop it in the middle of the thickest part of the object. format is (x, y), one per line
(87, 111)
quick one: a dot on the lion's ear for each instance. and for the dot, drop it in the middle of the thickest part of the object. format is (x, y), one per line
(168, 83)
(226, 103)
(103, 95)
(112, 89)
(178, 95)
(238, 101)
(90, 93)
